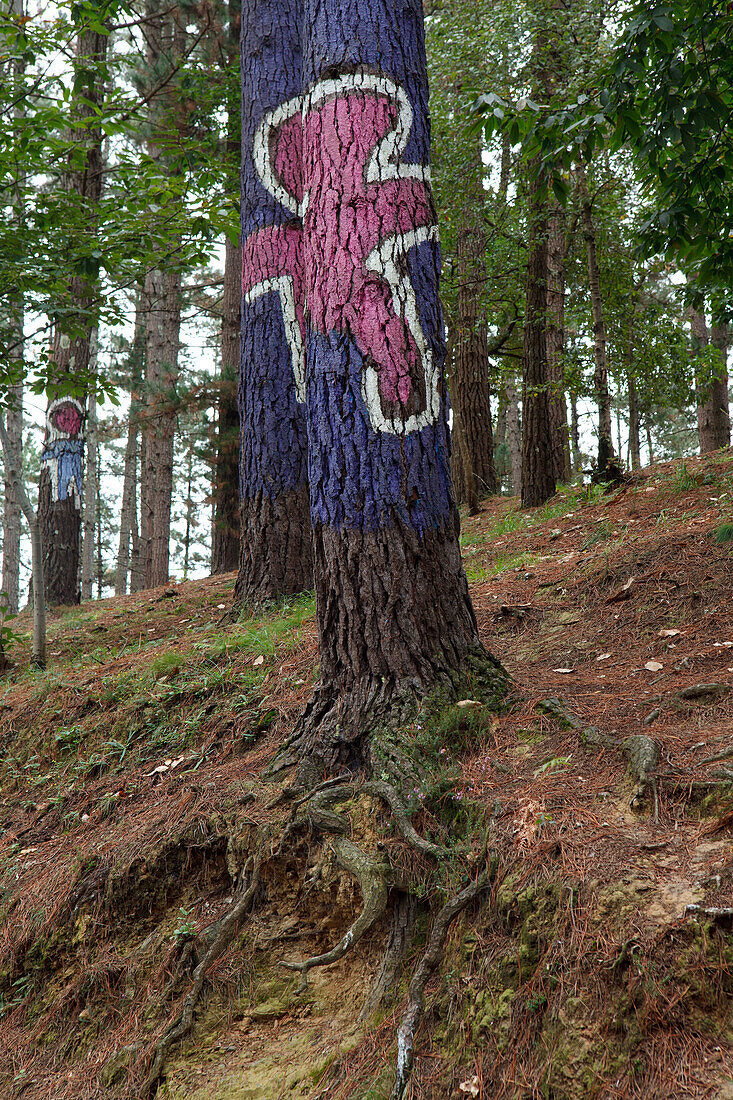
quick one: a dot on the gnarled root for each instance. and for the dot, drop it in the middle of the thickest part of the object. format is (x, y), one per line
(372, 878)
(184, 1023)
(428, 963)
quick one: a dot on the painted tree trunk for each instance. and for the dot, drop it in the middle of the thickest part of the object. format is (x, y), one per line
(555, 342)
(469, 376)
(62, 457)
(600, 377)
(538, 475)
(225, 534)
(276, 544)
(393, 610)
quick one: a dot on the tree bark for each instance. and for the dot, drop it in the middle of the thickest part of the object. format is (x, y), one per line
(14, 475)
(394, 615)
(555, 339)
(514, 438)
(62, 458)
(276, 546)
(473, 461)
(128, 551)
(713, 422)
(163, 306)
(90, 502)
(226, 519)
(226, 527)
(538, 477)
(600, 377)
(14, 412)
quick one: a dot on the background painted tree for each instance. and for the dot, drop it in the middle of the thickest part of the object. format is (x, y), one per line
(276, 556)
(393, 609)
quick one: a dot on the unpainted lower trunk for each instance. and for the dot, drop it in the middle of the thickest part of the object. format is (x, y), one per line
(128, 550)
(577, 454)
(634, 425)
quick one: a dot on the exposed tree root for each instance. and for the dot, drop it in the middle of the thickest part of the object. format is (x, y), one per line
(372, 878)
(184, 1023)
(404, 914)
(640, 751)
(428, 963)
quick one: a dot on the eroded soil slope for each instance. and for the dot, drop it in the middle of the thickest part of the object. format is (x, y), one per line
(597, 963)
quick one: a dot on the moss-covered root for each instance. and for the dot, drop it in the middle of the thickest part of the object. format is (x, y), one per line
(180, 1027)
(428, 963)
(372, 877)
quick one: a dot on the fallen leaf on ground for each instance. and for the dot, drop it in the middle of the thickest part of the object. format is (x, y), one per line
(654, 666)
(563, 670)
(258, 660)
(669, 633)
(603, 656)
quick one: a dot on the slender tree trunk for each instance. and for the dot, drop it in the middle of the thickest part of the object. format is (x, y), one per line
(11, 507)
(225, 536)
(14, 475)
(14, 410)
(473, 461)
(276, 543)
(538, 477)
(600, 377)
(62, 458)
(128, 517)
(649, 443)
(555, 340)
(514, 438)
(634, 424)
(393, 610)
(575, 435)
(100, 560)
(90, 502)
(713, 423)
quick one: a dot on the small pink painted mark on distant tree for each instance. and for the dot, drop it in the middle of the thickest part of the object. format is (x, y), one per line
(67, 418)
(362, 210)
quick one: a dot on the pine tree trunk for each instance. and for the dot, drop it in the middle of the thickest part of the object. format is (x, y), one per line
(556, 344)
(163, 301)
(393, 610)
(14, 409)
(62, 458)
(128, 516)
(11, 507)
(473, 462)
(514, 438)
(226, 520)
(90, 502)
(538, 477)
(713, 423)
(600, 377)
(225, 534)
(276, 543)
(577, 457)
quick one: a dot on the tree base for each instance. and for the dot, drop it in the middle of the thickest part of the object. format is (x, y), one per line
(338, 733)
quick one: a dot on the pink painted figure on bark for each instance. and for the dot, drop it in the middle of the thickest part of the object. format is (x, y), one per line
(372, 209)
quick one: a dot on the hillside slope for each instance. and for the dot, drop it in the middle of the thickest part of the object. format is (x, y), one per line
(598, 962)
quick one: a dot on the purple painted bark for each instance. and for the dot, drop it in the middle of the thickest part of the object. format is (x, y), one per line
(276, 546)
(393, 609)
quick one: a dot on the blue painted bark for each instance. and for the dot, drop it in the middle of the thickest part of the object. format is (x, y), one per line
(394, 613)
(276, 555)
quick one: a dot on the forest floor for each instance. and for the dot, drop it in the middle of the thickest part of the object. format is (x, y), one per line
(600, 962)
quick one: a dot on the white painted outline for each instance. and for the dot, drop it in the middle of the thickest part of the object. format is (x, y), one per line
(284, 286)
(383, 165)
